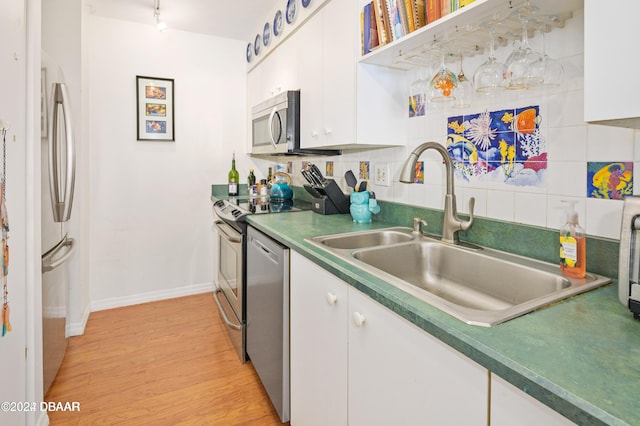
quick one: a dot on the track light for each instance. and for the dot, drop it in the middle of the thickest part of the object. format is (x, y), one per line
(156, 13)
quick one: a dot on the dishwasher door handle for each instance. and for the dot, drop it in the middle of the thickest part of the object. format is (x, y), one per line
(223, 312)
(272, 256)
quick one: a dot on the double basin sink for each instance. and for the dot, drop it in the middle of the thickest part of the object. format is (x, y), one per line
(477, 285)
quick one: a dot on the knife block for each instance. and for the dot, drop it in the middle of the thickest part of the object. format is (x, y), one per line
(328, 198)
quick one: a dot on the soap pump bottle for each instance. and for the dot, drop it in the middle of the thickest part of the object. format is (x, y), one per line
(573, 245)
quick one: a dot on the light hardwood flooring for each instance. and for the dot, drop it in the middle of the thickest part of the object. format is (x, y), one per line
(160, 363)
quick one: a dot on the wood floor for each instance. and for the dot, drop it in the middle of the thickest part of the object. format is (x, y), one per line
(160, 363)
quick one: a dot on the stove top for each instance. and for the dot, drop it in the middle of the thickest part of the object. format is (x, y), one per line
(236, 209)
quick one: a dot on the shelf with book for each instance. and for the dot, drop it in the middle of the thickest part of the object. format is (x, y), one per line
(465, 31)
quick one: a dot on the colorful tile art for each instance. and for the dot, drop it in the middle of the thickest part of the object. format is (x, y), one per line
(611, 181)
(419, 172)
(364, 170)
(499, 146)
(328, 169)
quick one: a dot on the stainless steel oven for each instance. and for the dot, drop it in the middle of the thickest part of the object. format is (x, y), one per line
(229, 292)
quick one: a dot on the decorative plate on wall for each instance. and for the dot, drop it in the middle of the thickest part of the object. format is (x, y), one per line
(291, 11)
(257, 44)
(266, 34)
(277, 24)
(249, 52)
(306, 3)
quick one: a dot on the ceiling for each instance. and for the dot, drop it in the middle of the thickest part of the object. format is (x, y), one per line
(236, 19)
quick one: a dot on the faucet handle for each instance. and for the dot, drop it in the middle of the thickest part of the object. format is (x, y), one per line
(417, 224)
(464, 226)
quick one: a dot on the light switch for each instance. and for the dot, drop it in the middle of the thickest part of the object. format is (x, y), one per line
(381, 174)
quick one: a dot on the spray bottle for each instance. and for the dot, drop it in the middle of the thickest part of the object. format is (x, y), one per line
(573, 244)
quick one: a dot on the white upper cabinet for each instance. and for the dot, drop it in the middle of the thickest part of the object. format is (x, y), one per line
(610, 42)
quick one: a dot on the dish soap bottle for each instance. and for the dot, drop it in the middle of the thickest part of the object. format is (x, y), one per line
(573, 245)
(234, 177)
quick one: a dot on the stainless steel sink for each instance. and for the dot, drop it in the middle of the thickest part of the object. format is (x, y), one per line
(482, 287)
(355, 240)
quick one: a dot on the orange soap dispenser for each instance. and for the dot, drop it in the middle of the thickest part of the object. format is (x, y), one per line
(573, 245)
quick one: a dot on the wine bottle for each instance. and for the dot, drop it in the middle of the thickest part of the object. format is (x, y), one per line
(251, 181)
(234, 177)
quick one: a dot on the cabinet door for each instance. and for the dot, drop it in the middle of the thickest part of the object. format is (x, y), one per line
(280, 70)
(339, 61)
(511, 406)
(400, 375)
(609, 34)
(311, 81)
(318, 335)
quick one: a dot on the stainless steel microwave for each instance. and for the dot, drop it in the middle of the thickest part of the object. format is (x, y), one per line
(276, 127)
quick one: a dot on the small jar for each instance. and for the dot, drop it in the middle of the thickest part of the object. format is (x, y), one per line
(263, 189)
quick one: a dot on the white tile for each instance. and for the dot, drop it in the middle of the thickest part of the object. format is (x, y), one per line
(480, 196)
(567, 143)
(500, 205)
(608, 143)
(567, 179)
(530, 209)
(604, 218)
(566, 109)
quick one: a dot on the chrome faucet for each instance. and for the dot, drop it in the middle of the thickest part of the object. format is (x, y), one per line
(452, 223)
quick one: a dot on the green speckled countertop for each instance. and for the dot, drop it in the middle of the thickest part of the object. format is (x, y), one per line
(579, 357)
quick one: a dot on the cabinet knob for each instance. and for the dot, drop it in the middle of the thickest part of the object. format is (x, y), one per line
(314, 133)
(358, 319)
(328, 131)
(331, 298)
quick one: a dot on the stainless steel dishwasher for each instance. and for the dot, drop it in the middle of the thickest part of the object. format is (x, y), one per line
(267, 299)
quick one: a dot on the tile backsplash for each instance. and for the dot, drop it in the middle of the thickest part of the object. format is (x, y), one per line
(518, 153)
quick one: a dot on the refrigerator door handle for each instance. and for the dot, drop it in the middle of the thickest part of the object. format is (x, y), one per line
(61, 204)
(48, 264)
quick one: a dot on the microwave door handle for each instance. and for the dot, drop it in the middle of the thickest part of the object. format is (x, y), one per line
(275, 140)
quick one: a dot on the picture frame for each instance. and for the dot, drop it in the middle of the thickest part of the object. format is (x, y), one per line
(155, 109)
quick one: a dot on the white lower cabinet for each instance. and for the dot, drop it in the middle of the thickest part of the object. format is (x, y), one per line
(355, 362)
(318, 333)
(511, 406)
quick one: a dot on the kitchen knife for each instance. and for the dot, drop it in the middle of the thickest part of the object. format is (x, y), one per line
(316, 172)
(314, 179)
(306, 176)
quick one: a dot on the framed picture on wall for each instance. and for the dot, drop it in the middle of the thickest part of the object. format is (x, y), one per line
(154, 99)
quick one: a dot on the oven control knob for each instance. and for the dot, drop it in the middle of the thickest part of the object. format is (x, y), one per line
(331, 298)
(358, 319)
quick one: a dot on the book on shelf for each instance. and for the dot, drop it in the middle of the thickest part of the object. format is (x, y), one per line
(408, 6)
(373, 32)
(433, 10)
(419, 14)
(445, 7)
(402, 12)
(394, 19)
(464, 3)
(382, 22)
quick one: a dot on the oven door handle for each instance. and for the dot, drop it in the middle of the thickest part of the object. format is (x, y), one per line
(231, 238)
(222, 311)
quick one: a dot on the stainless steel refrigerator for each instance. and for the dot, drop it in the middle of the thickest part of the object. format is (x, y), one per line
(58, 179)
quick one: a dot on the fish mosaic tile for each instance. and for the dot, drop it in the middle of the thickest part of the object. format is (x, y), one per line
(419, 172)
(328, 168)
(609, 180)
(499, 146)
(364, 170)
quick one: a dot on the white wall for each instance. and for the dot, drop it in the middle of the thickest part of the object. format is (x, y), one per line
(150, 218)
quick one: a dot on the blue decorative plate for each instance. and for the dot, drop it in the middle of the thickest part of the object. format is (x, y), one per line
(291, 11)
(257, 45)
(277, 24)
(249, 52)
(306, 3)
(266, 34)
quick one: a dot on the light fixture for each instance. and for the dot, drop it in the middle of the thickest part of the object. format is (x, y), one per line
(156, 13)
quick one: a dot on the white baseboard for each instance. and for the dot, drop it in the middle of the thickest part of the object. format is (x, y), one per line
(152, 296)
(77, 329)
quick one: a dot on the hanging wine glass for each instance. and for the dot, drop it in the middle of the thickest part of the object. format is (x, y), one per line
(418, 91)
(551, 70)
(442, 84)
(520, 74)
(490, 76)
(464, 91)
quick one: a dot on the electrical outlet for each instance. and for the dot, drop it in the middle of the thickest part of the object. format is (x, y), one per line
(381, 174)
